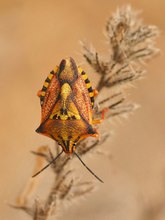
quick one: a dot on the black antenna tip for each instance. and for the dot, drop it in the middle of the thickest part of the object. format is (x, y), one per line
(54, 159)
(98, 178)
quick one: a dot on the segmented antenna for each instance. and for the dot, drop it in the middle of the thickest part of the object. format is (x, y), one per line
(54, 159)
(88, 167)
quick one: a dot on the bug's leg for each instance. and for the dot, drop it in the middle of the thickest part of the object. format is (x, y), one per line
(99, 120)
(96, 121)
(103, 113)
(95, 92)
(39, 93)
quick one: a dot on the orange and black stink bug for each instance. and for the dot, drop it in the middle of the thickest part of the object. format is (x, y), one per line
(67, 101)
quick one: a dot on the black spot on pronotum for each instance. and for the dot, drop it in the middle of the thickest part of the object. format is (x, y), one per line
(61, 111)
(65, 111)
(83, 73)
(55, 116)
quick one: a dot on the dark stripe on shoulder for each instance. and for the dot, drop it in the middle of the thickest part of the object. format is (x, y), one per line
(62, 65)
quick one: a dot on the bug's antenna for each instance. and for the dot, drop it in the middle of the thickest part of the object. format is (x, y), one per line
(54, 159)
(87, 167)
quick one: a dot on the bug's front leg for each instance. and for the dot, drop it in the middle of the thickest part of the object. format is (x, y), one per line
(99, 120)
(95, 92)
(39, 93)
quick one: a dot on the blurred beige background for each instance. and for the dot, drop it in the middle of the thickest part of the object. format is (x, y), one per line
(34, 37)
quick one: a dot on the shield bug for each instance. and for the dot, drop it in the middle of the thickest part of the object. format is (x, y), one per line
(67, 101)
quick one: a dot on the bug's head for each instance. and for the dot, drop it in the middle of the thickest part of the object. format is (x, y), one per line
(68, 71)
(68, 145)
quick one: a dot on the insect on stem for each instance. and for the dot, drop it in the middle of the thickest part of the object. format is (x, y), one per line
(54, 159)
(64, 119)
(88, 167)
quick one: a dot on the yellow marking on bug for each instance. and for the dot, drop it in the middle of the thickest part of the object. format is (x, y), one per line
(88, 85)
(42, 93)
(55, 69)
(51, 116)
(85, 76)
(46, 84)
(91, 94)
(63, 117)
(65, 108)
(65, 91)
(80, 69)
(68, 63)
(50, 76)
